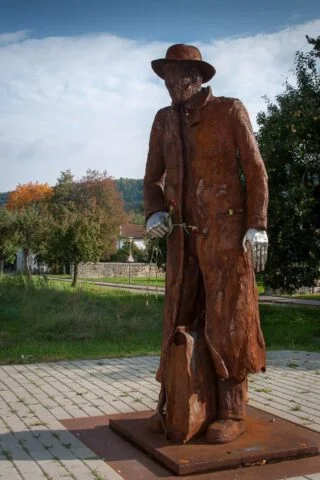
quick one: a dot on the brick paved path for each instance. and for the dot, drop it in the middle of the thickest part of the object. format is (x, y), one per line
(34, 445)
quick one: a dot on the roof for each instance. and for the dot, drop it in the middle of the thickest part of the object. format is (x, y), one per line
(132, 230)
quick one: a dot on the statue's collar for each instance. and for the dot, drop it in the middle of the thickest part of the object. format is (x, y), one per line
(196, 102)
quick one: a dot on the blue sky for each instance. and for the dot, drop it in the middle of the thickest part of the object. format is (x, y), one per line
(77, 90)
(149, 20)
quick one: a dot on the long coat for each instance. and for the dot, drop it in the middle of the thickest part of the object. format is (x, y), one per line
(222, 152)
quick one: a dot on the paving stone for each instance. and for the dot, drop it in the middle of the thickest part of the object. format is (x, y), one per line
(34, 398)
(84, 453)
(297, 478)
(28, 469)
(92, 411)
(108, 409)
(59, 412)
(75, 464)
(66, 477)
(10, 474)
(103, 470)
(53, 468)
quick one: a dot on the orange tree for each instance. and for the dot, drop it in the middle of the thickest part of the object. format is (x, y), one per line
(29, 194)
(29, 203)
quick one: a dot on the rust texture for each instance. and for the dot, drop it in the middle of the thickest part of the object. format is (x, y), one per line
(193, 398)
(267, 439)
(132, 463)
(201, 148)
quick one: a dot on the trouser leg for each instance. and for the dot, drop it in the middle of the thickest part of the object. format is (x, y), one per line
(232, 396)
(192, 297)
(232, 399)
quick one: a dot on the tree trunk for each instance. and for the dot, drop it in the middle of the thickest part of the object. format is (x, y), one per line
(75, 274)
(27, 270)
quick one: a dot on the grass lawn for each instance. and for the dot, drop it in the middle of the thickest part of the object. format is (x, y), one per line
(308, 296)
(43, 320)
(52, 320)
(291, 327)
(152, 281)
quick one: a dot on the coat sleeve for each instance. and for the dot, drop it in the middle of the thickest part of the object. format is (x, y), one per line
(155, 170)
(253, 168)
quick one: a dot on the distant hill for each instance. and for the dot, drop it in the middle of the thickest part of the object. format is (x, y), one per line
(3, 198)
(131, 191)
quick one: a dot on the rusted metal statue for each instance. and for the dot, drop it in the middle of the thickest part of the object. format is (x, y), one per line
(205, 188)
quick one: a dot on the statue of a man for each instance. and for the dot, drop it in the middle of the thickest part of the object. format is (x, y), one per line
(204, 167)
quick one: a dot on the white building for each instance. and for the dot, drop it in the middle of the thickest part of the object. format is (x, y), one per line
(136, 232)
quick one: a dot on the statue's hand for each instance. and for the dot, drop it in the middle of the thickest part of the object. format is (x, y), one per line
(258, 241)
(159, 224)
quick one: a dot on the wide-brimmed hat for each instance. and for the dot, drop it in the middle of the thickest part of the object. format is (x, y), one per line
(185, 54)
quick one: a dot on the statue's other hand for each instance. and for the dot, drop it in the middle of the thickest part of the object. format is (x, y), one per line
(159, 224)
(258, 241)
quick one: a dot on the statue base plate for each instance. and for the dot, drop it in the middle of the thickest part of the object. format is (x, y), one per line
(267, 439)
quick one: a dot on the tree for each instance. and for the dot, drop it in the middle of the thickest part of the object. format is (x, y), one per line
(32, 229)
(29, 201)
(97, 193)
(76, 237)
(289, 139)
(63, 191)
(122, 254)
(131, 191)
(8, 237)
(136, 217)
(87, 217)
(27, 194)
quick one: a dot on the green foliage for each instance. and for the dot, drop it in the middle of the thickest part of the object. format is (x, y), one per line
(83, 217)
(87, 217)
(8, 236)
(289, 139)
(32, 226)
(122, 254)
(131, 192)
(63, 191)
(136, 217)
(77, 236)
(97, 192)
(156, 251)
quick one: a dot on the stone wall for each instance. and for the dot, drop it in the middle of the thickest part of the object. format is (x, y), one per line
(113, 269)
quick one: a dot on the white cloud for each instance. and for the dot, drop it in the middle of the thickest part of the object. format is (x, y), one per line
(13, 37)
(89, 101)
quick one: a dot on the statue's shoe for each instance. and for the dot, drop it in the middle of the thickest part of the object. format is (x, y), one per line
(224, 431)
(155, 423)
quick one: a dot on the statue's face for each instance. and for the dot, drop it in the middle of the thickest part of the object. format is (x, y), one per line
(182, 81)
